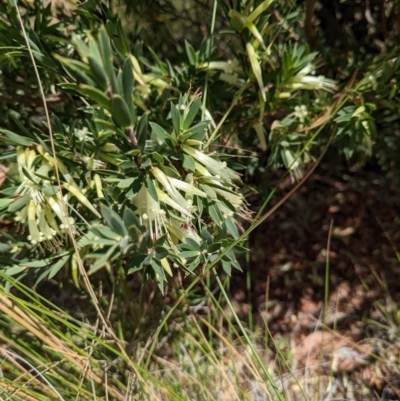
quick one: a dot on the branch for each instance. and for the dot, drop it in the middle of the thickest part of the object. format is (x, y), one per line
(52, 99)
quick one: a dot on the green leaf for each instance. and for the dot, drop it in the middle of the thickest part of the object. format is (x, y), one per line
(160, 252)
(194, 109)
(151, 188)
(175, 119)
(5, 247)
(105, 49)
(209, 191)
(114, 221)
(80, 69)
(188, 162)
(142, 132)
(125, 183)
(188, 254)
(98, 73)
(237, 23)
(36, 264)
(157, 158)
(104, 232)
(255, 66)
(56, 267)
(216, 246)
(232, 228)
(50, 190)
(161, 134)
(227, 267)
(130, 218)
(120, 111)
(215, 214)
(12, 271)
(190, 53)
(4, 203)
(114, 84)
(193, 244)
(127, 81)
(123, 39)
(95, 94)
(105, 258)
(197, 132)
(19, 204)
(16, 139)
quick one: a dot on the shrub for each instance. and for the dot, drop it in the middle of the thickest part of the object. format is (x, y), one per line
(138, 165)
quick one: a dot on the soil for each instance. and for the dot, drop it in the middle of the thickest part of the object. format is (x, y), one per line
(345, 228)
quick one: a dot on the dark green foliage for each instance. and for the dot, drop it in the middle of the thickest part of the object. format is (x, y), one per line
(140, 175)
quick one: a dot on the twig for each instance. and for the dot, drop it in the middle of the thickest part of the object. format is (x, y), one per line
(52, 99)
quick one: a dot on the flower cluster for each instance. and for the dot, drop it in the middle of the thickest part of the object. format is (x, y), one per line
(40, 205)
(305, 79)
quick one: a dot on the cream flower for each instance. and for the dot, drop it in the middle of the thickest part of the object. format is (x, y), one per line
(214, 166)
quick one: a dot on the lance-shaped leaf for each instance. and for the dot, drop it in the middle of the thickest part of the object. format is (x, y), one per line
(95, 94)
(166, 266)
(259, 10)
(258, 127)
(127, 81)
(255, 66)
(239, 22)
(98, 73)
(81, 198)
(105, 49)
(120, 111)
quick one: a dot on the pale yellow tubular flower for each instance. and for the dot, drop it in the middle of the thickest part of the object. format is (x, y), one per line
(81, 198)
(61, 167)
(109, 159)
(202, 170)
(259, 10)
(171, 190)
(98, 185)
(34, 234)
(237, 201)
(214, 166)
(170, 183)
(234, 199)
(164, 198)
(156, 81)
(182, 230)
(150, 213)
(110, 148)
(137, 70)
(29, 185)
(50, 218)
(186, 187)
(255, 66)
(30, 156)
(48, 232)
(253, 29)
(232, 79)
(56, 208)
(226, 212)
(165, 264)
(22, 215)
(21, 160)
(228, 67)
(311, 82)
(292, 164)
(44, 169)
